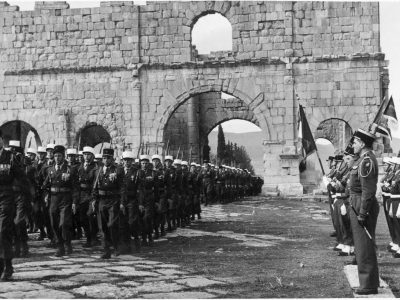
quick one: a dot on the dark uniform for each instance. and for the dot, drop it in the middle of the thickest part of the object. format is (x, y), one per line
(161, 202)
(394, 212)
(86, 213)
(362, 185)
(109, 193)
(61, 182)
(10, 174)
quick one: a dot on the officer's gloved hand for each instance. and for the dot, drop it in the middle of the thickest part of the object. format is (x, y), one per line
(362, 220)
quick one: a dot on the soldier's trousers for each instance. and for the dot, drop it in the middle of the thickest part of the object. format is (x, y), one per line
(395, 220)
(61, 217)
(207, 191)
(47, 218)
(7, 212)
(196, 204)
(364, 248)
(160, 211)
(38, 215)
(386, 203)
(219, 188)
(20, 220)
(108, 218)
(134, 220)
(337, 220)
(87, 219)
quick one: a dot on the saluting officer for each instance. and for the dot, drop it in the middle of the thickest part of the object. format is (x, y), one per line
(109, 195)
(363, 184)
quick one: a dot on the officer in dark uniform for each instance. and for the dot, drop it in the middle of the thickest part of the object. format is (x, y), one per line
(186, 198)
(169, 179)
(82, 204)
(131, 182)
(219, 184)
(62, 182)
(109, 195)
(161, 202)
(207, 176)
(362, 185)
(38, 203)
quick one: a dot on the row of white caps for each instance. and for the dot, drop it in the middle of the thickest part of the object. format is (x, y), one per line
(391, 160)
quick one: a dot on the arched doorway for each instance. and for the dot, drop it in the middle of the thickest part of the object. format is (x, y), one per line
(189, 125)
(21, 131)
(337, 131)
(93, 135)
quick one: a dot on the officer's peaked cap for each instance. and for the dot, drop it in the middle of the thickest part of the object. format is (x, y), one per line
(59, 149)
(14, 143)
(108, 152)
(366, 137)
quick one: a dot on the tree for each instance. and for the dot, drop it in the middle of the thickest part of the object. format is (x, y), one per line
(221, 153)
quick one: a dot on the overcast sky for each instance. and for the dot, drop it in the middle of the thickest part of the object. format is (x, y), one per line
(211, 26)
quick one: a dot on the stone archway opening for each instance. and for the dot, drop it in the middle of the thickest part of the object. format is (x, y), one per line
(337, 131)
(243, 145)
(211, 34)
(189, 125)
(21, 131)
(93, 135)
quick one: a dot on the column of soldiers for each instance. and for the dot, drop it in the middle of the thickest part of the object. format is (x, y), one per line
(64, 194)
(352, 185)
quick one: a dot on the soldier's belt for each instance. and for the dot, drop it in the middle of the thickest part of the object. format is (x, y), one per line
(395, 196)
(108, 193)
(60, 190)
(85, 186)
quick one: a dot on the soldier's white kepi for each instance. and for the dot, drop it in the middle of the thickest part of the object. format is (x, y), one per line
(98, 156)
(184, 163)
(80, 153)
(50, 147)
(72, 151)
(137, 160)
(386, 160)
(128, 155)
(177, 162)
(31, 151)
(169, 157)
(144, 157)
(88, 149)
(193, 164)
(41, 149)
(14, 143)
(156, 156)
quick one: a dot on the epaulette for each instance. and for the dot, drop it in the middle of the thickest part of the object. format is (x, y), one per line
(366, 166)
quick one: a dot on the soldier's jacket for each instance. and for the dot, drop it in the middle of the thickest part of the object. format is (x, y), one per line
(220, 176)
(387, 180)
(193, 183)
(394, 188)
(109, 184)
(169, 176)
(184, 182)
(131, 181)
(11, 171)
(162, 181)
(62, 180)
(177, 180)
(86, 178)
(148, 184)
(207, 176)
(363, 179)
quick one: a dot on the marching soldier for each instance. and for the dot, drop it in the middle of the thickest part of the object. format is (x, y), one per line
(364, 212)
(219, 184)
(207, 176)
(109, 195)
(76, 224)
(161, 202)
(394, 211)
(82, 204)
(38, 204)
(186, 201)
(11, 174)
(131, 177)
(61, 181)
(147, 193)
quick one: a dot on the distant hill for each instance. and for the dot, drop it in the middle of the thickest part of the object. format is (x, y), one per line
(252, 141)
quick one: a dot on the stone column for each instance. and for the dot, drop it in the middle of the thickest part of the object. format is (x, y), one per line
(193, 127)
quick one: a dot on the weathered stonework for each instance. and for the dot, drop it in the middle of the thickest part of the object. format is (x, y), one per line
(129, 68)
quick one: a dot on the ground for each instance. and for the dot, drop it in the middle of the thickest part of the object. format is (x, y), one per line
(257, 248)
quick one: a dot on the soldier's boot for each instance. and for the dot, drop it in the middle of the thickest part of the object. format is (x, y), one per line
(144, 240)
(156, 233)
(79, 233)
(183, 223)
(106, 254)
(52, 244)
(25, 249)
(162, 230)
(169, 227)
(42, 234)
(68, 245)
(198, 216)
(136, 242)
(60, 251)
(1, 266)
(178, 222)
(192, 217)
(151, 241)
(9, 270)
(88, 243)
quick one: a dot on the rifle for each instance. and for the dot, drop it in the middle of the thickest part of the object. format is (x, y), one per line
(190, 156)
(177, 154)
(167, 148)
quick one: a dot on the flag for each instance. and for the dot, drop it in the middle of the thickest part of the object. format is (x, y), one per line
(390, 113)
(307, 140)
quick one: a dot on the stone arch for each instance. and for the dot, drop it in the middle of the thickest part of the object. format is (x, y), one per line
(91, 135)
(335, 130)
(256, 105)
(195, 26)
(22, 131)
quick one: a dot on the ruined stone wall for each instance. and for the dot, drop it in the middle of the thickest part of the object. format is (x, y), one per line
(129, 68)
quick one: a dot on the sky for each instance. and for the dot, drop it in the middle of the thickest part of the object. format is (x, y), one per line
(209, 38)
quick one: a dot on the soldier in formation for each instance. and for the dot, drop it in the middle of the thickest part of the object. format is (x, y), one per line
(66, 194)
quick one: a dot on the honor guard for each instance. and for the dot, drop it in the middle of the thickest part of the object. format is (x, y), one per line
(169, 177)
(393, 209)
(161, 202)
(364, 212)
